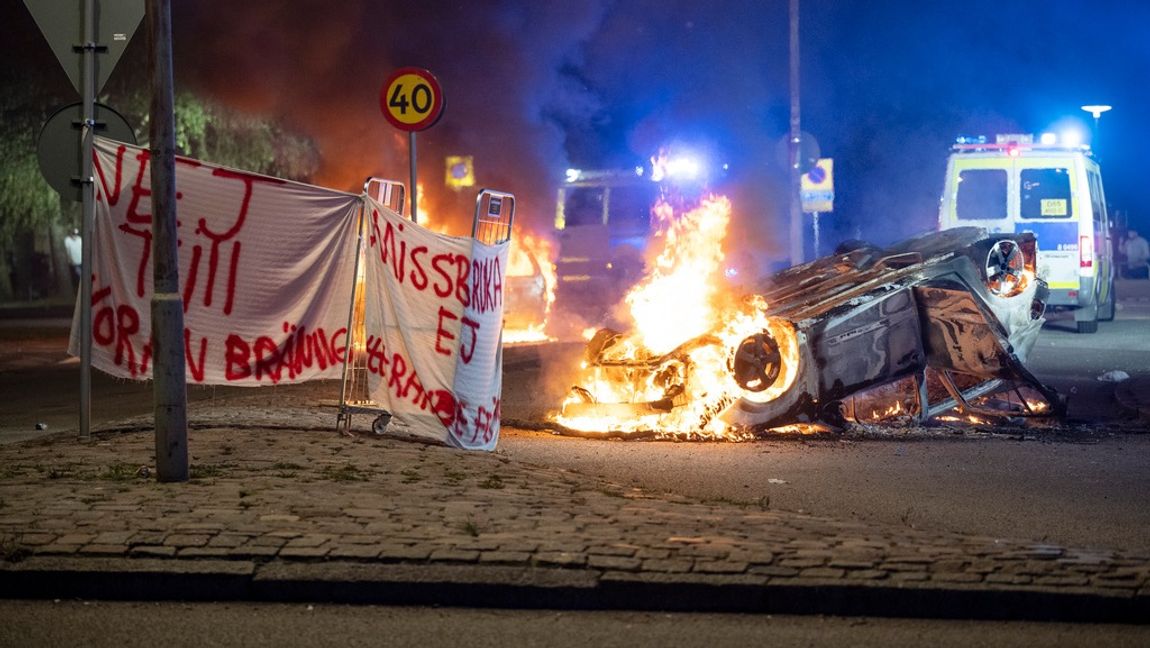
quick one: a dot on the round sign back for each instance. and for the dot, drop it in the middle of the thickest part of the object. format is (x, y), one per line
(411, 99)
(58, 146)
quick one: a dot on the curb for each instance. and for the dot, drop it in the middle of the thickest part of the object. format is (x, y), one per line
(534, 587)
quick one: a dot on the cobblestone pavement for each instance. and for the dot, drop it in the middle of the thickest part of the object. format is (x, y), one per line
(286, 508)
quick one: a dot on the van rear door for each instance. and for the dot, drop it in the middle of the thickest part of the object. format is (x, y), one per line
(1048, 207)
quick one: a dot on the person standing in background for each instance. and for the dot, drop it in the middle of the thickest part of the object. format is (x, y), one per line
(75, 247)
(1137, 255)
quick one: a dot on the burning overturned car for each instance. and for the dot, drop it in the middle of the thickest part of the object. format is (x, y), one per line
(933, 327)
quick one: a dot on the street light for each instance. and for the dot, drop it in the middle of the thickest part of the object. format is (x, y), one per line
(1096, 110)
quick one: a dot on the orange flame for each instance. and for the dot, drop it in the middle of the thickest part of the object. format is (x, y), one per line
(673, 303)
(686, 332)
(531, 259)
(530, 265)
(426, 218)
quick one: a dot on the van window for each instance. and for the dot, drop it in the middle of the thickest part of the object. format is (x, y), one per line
(1045, 193)
(584, 206)
(631, 206)
(981, 194)
(1097, 202)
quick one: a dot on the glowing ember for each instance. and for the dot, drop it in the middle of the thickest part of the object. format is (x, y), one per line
(676, 372)
(894, 410)
(802, 429)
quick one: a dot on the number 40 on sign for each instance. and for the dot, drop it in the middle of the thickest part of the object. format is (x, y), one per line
(411, 99)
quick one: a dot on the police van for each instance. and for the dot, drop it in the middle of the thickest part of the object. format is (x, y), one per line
(1052, 189)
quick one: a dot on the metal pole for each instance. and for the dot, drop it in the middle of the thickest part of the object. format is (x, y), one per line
(88, 198)
(169, 380)
(1097, 136)
(796, 220)
(344, 415)
(815, 220)
(414, 187)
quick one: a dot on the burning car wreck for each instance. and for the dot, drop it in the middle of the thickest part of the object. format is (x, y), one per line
(934, 327)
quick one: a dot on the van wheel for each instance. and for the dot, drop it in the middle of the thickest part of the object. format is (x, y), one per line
(1089, 326)
(1106, 311)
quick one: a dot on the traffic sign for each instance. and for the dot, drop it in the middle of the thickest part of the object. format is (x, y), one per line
(817, 187)
(58, 147)
(460, 171)
(62, 24)
(411, 99)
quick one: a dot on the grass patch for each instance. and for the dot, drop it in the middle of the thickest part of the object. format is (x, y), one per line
(471, 528)
(57, 472)
(285, 465)
(494, 482)
(346, 472)
(205, 471)
(725, 501)
(11, 551)
(907, 517)
(454, 477)
(121, 472)
(286, 469)
(410, 475)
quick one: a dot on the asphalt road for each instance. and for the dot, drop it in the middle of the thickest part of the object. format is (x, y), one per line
(1087, 486)
(35, 624)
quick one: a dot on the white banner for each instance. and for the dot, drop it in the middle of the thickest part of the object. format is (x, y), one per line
(434, 319)
(266, 271)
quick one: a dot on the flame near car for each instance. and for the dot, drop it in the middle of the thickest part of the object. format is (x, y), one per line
(693, 349)
(942, 322)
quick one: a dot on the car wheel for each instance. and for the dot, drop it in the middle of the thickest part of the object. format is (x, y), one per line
(1089, 326)
(1106, 311)
(757, 362)
(1004, 266)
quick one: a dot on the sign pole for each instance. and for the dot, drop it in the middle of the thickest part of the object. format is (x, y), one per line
(60, 23)
(412, 100)
(169, 377)
(88, 186)
(414, 186)
(815, 218)
(796, 215)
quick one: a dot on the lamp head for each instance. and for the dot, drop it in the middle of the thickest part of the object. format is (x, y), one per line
(1096, 109)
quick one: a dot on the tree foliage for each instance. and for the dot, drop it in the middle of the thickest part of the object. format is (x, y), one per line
(26, 200)
(210, 131)
(206, 130)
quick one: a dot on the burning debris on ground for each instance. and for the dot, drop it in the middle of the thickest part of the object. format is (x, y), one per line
(933, 330)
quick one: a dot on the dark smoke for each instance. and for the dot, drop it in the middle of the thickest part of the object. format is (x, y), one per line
(535, 86)
(532, 88)
(320, 65)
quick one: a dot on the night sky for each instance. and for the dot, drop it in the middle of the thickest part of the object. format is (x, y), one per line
(536, 86)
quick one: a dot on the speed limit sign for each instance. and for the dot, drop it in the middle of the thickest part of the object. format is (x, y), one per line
(411, 99)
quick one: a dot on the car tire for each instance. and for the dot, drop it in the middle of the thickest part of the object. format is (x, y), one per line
(1089, 326)
(1106, 311)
